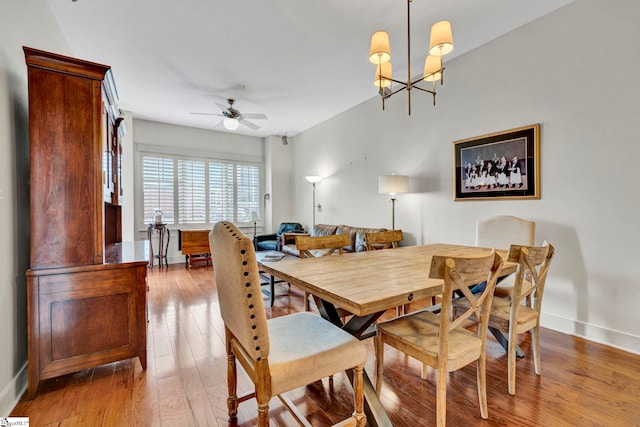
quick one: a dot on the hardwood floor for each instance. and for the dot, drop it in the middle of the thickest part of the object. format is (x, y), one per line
(582, 383)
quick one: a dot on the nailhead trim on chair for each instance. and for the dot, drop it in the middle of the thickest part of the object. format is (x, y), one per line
(245, 263)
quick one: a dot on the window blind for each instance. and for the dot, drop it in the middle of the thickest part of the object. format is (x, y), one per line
(158, 192)
(197, 191)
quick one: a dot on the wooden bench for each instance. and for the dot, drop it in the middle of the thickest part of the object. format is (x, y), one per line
(194, 245)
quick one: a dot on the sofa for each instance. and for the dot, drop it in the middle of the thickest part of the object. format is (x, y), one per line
(356, 237)
(271, 242)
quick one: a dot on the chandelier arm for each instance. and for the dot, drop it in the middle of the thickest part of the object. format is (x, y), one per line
(395, 91)
(399, 82)
(433, 92)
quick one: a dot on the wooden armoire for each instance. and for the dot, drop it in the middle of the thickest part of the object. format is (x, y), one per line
(86, 303)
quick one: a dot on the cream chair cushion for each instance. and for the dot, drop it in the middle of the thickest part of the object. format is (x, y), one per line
(327, 348)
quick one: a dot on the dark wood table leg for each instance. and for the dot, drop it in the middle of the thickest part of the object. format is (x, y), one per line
(504, 342)
(359, 327)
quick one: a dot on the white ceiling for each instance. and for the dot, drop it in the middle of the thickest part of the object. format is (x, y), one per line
(299, 62)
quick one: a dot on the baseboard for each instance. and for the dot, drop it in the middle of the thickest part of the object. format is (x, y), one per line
(610, 337)
(12, 392)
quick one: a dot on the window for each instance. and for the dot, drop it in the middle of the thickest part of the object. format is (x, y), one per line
(158, 188)
(197, 191)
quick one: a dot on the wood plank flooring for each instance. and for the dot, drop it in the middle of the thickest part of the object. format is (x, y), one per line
(582, 383)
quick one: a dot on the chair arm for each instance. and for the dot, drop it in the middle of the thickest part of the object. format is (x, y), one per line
(262, 237)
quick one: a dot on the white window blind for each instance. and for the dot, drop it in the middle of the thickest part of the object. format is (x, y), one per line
(248, 181)
(192, 193)
(197, 191)
(158, 188)
(221, 192)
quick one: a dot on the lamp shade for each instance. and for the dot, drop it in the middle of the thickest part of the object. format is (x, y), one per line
(380, 52)
(382, 78)
(230, 123)
(432, 68)
(441, 41)
(313, 178)
(393, 184)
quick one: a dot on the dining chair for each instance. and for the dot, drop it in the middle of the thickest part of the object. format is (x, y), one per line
(383, 239)
(521, 312)
(387, 240)
(502, 231)
(441, 340)
(279, 354)
(319, 246)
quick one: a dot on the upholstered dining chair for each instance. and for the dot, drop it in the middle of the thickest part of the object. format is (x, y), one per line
(441, 340)
(383, 239)
(501, 232)
(278, 354)
(319, 246)
(521, 312)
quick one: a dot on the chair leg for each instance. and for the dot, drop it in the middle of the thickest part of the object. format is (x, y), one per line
(482, 385)
(379, 350)
(263, 414)
(535, 338)
(306, 301)
(358, 396)
(424, 371)
(511, 358)
(263, 397)
(441, 396)
(232, 381)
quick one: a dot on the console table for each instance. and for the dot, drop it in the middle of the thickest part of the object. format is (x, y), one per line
(194, 245)
(163, 246)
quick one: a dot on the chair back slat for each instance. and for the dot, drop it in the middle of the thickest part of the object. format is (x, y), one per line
(461, 274)
(238, 285)
(533, 265)
(383, 239)
(333, 243)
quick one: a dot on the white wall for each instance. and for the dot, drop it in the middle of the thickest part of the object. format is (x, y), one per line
(574, 72)
(24, 23)
(278, 182)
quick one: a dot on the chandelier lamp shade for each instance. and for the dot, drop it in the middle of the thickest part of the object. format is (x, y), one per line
(440, 43)
(393, 185)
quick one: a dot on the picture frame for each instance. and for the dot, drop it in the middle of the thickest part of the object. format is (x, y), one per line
(501, 165)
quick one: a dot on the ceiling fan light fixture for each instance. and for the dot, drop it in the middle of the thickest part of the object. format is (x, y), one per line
(230, 123)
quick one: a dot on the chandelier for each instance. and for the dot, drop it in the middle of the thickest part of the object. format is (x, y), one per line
(440, 43)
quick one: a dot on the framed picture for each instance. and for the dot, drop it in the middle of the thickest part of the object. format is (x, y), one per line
(502, 165)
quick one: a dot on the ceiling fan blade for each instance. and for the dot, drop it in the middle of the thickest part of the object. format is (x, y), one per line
(208, 114)
(257, 116)
(248, 123)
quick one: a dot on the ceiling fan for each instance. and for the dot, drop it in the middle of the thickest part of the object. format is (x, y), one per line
(233, 117)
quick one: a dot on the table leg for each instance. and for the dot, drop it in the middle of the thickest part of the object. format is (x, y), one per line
(360, 328)
(166, 248)
(504, 342)
(272, 290)
(150, 237)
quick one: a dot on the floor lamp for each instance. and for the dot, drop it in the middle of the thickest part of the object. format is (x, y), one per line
(392, 185)
(313, 179)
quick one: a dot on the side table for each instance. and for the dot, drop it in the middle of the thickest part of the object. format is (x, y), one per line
(163, 245)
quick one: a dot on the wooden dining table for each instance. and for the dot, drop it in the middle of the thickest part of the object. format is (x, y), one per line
(367, 284)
